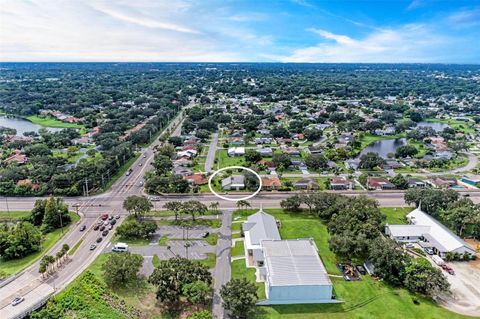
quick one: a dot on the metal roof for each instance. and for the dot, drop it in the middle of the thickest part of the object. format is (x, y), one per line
(261, 226)
(408, 230)
(294, 263)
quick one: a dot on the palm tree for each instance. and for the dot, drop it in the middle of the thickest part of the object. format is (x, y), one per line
(242, 204)
(175, 207)
(214, 206)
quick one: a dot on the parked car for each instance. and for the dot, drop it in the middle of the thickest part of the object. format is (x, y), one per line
(144, 156)
(110, 217)
(102, 228)
(104, 216)
(105, 223)
(428, 250)
(96, 227)
(117, 216)
(83, 227)
(205, 234)
(113, 222)
(17, 300)
(93, 246)
(99, 239)
(448, 269)
(409, 245)
(105, 232)
(109, 227)
(438, 260)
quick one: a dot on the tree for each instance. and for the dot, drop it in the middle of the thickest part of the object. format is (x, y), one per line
(406, 151)
(204, 314)
(463, 217)
(421, 277)
(389, 260)
(19, 240)
(139, 205)
(243, 204)
(239, 297)
(399, 181)
(121, 269)
(37, 213)
(170, 276)
(291, 203)
(282, 160)
(313, 134)
(214, 206)
(197, 292)
(355, 226)
(175, 207)
(432, 200)
(132, 228)
(194, 207)
(56, 214)
(316, 161)
(167, 150)
(252, 156)
(371, 160)
(162, 164)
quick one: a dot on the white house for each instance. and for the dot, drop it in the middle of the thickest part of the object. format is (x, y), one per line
(294, 274)
(236, 151)
(236, 182)
(428, 232)
(259, 226)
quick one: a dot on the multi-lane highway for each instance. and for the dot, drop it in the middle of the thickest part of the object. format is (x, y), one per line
(29, 284)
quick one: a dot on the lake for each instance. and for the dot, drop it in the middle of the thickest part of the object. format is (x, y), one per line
(438, 127)
(22, 125)
(384, 147)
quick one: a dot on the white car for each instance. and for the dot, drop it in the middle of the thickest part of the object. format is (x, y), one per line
(17, 301)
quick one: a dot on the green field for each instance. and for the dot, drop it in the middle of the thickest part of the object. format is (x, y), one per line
(49, 121)
(224, 160)
(396, 215)
(238, 249)
(11, 267)
(368, 298)
(463, 127)
(13, 215)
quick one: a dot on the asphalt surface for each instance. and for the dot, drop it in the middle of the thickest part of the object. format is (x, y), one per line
(29, 283)
(210, 160)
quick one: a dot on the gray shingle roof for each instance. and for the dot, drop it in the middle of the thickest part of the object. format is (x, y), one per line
(294, 263)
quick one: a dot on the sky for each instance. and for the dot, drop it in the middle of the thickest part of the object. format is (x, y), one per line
(381, 31)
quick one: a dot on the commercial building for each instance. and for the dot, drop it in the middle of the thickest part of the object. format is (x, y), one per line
(428, 233)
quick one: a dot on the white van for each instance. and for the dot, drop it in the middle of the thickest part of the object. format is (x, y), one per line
(119, 247)
(438, 260)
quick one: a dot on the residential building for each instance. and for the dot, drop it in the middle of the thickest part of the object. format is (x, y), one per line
(196, 179)
(267, 152)
(439, 182)
(271, 183)
(234, 182)
(340, 183)
(18, 157)
(236, 151)
(379, 183)
(471, 180)
(415, 182)
(428, 233)
(306, 183)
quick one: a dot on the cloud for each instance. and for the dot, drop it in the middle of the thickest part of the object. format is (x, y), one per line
(409, 43)
(303, 3)
(132, 16)
(466, 17)
(416, 4)
(252, 16)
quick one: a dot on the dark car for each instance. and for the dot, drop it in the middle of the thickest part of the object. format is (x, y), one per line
(102, 228)
(99, 239)
(205, 234)
(96, 227)
(110, 217)
(105, 233)
(113, 222)
(117, 216)
(83, 227)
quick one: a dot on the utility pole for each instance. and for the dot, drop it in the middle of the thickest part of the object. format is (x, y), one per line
(86, 186)
(8, 210)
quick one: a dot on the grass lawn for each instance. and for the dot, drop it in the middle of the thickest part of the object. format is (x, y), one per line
(13, 215)
(214, 223)
(223, 160)
(212, 239)
(75, 247)
(163, 241)
(367, 298)
(11, 267)
(209, 261)
(396, 215)
(238, 249)
(463, 127)
(131, 242)
(168, 213)
(49, 121)
(236, 226)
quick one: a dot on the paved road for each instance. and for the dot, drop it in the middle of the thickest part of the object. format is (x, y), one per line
(29, 283)
(222, 269)
(209, 161)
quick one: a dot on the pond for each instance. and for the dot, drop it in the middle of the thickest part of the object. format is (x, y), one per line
(438, 127)
(22, 125)
(384, 147)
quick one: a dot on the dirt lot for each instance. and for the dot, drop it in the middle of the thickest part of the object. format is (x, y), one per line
(465, 287)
